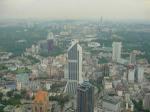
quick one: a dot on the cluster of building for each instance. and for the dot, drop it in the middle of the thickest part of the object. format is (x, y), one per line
(93, 87)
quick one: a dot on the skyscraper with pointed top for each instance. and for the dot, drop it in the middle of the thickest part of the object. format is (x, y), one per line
(74, 67)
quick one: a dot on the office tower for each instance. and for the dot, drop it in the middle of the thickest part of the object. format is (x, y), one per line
(133, 58)
(74, 68)
(140, 74)
(50, 41)
(116, 51)
(131, 74)
(146, 101)
(85, 97)
(105, 70)
(41, 102)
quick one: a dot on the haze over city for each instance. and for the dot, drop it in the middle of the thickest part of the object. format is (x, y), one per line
(74, 55)
(75, 9)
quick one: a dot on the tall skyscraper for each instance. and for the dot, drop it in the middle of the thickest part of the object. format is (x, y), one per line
(146, 101)
(74, 67)
(131, 74)
(116, 51)
(105, 70)
(85, 97)
(140, 74)
(133, 58)
(50, 41)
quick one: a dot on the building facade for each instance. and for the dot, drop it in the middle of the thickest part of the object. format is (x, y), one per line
(146, 101)
(111, 104)
(41, 102)
(116, 51)
(85, 97)
(140, 74)
(74, 68)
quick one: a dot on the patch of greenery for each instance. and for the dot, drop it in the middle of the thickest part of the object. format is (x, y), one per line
(33, 60)
(3, 67)
(102, 60)
(55, 52)
(139, 106)
(22, 70)
(17, 38)
(62, 99)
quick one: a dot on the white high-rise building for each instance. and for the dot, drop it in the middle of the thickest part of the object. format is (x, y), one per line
(146, 101)
(131, 74)
(140, 74)
(116, 51)
(74, 68)
(133, 58)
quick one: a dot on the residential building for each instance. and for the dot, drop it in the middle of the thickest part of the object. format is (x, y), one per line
(116, 51)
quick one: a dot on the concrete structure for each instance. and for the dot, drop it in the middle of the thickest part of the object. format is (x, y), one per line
(18, 86)
(146, 101)
(93, 44)
(131, 74)
(85, 97)
(140, 74)
(23, 79)
(116, 51)
(107, 83)
(74, 68)
(133, 58)
(111, 104)
(105, 70)
(41, 102)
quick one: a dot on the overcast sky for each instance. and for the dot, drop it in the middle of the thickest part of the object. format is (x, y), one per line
(75, 9)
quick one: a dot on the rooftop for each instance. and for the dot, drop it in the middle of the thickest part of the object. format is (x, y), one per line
(111, 99)
(41, 97)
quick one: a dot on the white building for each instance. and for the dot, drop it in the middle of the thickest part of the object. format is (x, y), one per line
(116, 51)
(131, 75)
(140, 74)
(74, 67)
(132, 58)
(107, 83)
(146, 101)
(93, 44)
(18, 86)
(48, 86)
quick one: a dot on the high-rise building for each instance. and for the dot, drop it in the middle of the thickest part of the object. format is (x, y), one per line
(140, 74)
(41, 102)
(131, 74)
(74, 67)
(146, 101)
(85, 97)
(116, 51)
(105, 70)
(50, 41)
(133, 58)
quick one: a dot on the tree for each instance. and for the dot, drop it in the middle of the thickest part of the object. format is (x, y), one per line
(1, 95)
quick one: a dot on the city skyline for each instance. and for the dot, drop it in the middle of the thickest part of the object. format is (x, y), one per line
(74, 56)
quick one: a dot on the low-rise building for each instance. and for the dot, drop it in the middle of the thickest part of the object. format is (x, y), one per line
(111, 104)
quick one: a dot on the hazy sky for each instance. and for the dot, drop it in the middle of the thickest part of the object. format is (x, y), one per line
(75, 9)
